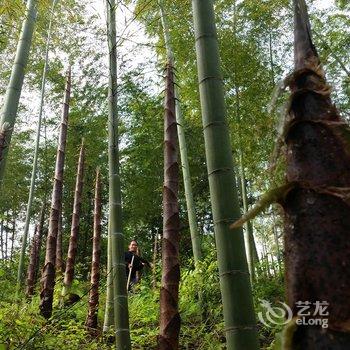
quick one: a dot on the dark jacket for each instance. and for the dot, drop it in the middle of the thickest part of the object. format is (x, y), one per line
(137, 264)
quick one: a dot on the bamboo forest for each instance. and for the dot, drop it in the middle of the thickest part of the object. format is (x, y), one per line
(175, 174)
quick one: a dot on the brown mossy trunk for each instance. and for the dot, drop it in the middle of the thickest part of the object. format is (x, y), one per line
(317, 208)
(73, 240)
(169, 293)
(91, 321)
(48, 274)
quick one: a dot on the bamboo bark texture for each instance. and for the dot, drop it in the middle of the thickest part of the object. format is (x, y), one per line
(73, 239)
(240, 324)
(33, 266)
(13, 91)
(120, 299)
(48, 274)
(36, 153)
(91, 321)
(317, 210)
(169, 293)
(186, 174)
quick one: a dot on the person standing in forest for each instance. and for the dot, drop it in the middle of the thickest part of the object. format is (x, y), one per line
(133, 263)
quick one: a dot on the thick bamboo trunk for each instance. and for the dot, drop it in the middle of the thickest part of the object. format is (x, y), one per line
(91, 321)
(48, 274)
(73, 239)
(33, 266)
(317, 211)
(13, 91)
(240, 324)
(169, 293)
(36, 154)
(59, 253)
(191, 212)
(120, 300)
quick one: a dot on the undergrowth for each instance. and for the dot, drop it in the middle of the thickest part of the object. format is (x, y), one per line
(202, 328)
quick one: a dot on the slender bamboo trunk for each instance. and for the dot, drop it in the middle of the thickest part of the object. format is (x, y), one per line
(2, 246)
(73, 240)
(271, 60)
(41, 233)
(109, 317)
(120, 300)
(169, 293)
(31, 266)
(275, 237)
(59, 265)
(20, 274)
(252, 242)
(13, 235)
(243, 188)
(7, 236)
(191, 212)
(317, 211)
(91, 321)
(236, 294)
(48, 274)
(13, 91)
(247, 236)
(34, 255)
(154, 261)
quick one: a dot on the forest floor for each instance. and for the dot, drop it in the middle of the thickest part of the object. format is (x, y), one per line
(21, 326)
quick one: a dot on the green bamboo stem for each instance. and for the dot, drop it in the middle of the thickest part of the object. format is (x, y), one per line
(120, 299)
(36, 154)
(240, 324)
(191, 212)
(247, 237)
(108, 316)
(13, 91)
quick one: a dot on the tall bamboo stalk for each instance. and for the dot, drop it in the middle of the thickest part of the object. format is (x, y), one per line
(317, 210)
(91, 321)
(73, 239)
(121, 312)
(13, 235)
(247, 235)
(59, 264)
(36, 154)
(48, 274)
(240, 324)
(154, 260)
(108, 316)
(33, 266)
(13, 91)
(2, 246)
(169, 294)
(191, 212)
(243, 188)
